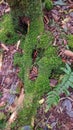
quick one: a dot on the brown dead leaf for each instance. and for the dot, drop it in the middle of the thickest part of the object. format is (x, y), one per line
(33, 73)
(2, 104)
(46, 20)
(53, 82)
(68, 53)
(56, 18)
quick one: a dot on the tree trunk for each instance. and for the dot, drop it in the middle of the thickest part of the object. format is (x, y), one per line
(29, 13)
(23, 11)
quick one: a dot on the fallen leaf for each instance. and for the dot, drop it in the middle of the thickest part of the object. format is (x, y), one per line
(41, 101)
(49, 127)
(66, 20)
(53, 82)
(2, 104)
(68, 53)
(56, 18)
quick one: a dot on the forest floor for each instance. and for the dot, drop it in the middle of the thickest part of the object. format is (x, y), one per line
(59, 21)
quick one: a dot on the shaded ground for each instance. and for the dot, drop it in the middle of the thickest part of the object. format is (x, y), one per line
(57, 118)
(10, 84)
(60, 22)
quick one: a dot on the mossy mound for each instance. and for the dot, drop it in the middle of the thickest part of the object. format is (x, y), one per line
(7, 32)
(47, 60)
(48, 4)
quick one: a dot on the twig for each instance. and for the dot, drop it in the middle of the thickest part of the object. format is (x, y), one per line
(5, 48)
(17, 46)
(66, 98)
(70, 1)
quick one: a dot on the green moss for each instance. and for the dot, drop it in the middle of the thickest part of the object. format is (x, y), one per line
(2, 116)
(2, 124)
(47, 61)
(41, 40)
(70, 41)
(35, 89)
(7, 33)
(48, 4)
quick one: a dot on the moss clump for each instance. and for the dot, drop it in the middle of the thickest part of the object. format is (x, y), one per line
(18, 61)
(7, 32)
(48, 4)
(2, 116)
(70, 41)
(48, 62)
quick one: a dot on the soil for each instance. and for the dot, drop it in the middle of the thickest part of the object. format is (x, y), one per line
(59, 117)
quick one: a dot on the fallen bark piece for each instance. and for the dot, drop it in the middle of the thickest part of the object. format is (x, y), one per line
(68, 53)
(4, 47)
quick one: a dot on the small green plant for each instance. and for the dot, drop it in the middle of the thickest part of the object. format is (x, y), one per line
(48, 4)
(67, 81)
(7, 32)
